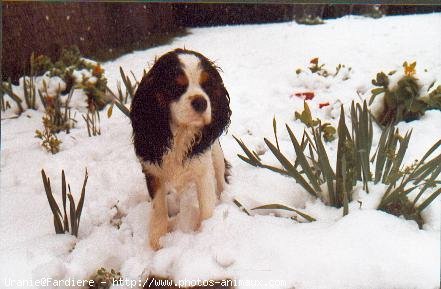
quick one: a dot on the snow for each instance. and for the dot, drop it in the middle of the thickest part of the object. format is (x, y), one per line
(365, 249)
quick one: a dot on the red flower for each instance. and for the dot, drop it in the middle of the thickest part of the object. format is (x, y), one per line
(323, 104)
(97, 70)
(314, 61)
(307, 95)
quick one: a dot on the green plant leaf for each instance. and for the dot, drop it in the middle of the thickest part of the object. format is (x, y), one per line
(303, 162)
(431, 181)
(306, 117)
(252, 157)
(325, 166)
(109, 111)
(429, 200)
(81, 201)
(241, 207)
(275, 132)
(290, 168)
(53, 204)
(63, 194)
(73, 219)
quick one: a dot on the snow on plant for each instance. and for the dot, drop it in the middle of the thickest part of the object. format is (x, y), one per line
(404, 100)
(312, 168)
(74, 70)
(61, 220)
(71, 70)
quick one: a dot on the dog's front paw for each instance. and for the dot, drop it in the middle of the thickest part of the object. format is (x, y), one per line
(155, 235)
(154, 244)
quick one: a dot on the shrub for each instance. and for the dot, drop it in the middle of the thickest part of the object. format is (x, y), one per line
(57, 112)
(77, 72)
(72, 68)
(61, 220)
(403, 101)
(319, 69)
(57, 118)
(311, 168)
(49, 140)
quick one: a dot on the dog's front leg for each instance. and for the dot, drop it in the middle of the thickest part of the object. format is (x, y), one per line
(206, 189)
(159, 214)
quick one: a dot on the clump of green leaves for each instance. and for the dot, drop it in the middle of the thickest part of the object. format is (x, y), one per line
(70, 60)
(49, 139)
(312, 168)
(57, 118)
(403, 102)
(58, 112)
(41, 64)
(104, 279)
(306, 117)
(319, 69)
(316, 68)
(401, 181)
(63, 223)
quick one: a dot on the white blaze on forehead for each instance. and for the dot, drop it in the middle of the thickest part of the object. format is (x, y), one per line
(182, 111)
(191, 64)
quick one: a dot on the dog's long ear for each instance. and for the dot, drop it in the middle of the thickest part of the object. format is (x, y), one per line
(220, 110)
(150, 120)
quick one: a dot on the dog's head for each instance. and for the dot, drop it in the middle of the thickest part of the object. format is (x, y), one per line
(182, 90)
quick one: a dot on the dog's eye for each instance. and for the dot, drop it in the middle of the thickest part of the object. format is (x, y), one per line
(203, 77)
(182, 80)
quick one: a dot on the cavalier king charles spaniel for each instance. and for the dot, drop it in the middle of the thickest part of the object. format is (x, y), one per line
(178, 113)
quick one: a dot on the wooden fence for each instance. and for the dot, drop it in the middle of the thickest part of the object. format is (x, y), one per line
(104, 30)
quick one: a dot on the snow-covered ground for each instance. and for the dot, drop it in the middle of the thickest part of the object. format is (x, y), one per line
(366, 249)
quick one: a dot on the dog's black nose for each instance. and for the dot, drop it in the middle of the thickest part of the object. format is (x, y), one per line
(199, 104)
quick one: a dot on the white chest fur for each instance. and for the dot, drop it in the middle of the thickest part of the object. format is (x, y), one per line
(177, 172)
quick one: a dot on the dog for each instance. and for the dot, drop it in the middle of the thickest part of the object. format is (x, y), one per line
(178, 113)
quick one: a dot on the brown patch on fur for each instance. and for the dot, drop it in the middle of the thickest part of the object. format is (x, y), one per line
(182, 80)
(203, 77)
(156, 282)
(152, 184)
(227, 171)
